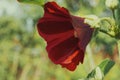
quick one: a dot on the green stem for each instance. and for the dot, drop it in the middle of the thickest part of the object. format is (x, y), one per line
(106, 32)
(113, 12)
(118, 43)
(90, 57)
(25, 71)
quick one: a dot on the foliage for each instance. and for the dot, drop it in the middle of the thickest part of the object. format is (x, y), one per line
(102, 69)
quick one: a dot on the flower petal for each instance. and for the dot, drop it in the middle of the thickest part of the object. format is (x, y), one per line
(53, 8)
(73, 60)
(49, 26)
(59, 52)
(83, 31)
(55, 30)
(52, 26)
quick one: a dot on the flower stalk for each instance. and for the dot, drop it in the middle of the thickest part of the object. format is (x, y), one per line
(118, 43)
(90, 57)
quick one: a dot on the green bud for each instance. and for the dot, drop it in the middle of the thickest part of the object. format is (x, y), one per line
(112, 4)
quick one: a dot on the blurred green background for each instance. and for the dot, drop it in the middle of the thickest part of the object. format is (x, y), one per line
(22, 50)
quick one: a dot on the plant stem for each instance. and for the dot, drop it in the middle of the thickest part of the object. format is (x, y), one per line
(106, 32)
(113, 11)
(118, 43)
(90, 57)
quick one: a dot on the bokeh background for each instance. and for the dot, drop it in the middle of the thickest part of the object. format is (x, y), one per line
(22, 50)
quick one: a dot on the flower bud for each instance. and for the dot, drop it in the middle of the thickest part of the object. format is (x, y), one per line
(112, 4)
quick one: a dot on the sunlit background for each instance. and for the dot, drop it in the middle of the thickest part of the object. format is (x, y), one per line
(22, 50)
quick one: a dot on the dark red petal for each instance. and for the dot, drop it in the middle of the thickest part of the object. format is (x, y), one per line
(59, 52)
(75, 58)
(55, 30)
(84, 32)
(53, 8)
(52, 27)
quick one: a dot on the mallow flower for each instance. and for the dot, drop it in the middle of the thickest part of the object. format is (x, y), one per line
(66, 35)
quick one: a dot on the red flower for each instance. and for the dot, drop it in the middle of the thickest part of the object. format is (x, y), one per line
(67, 36)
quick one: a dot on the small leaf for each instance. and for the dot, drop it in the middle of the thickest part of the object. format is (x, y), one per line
(91, 74)
(106, 65)
(37, 2)
(101, 70)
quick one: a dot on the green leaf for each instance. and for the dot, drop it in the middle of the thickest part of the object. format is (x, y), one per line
(91, 74)
(37, 2)
(106, 65)
(101, 70)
